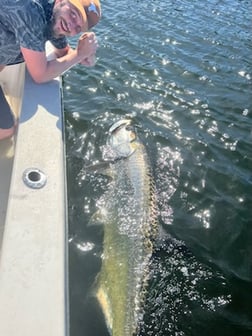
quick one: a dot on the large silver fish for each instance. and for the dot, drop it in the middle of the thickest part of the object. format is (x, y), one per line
(130, 226)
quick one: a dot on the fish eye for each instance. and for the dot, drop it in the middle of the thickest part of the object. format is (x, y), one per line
(129, 128)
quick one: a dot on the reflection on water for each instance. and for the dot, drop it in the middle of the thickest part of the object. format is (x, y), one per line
(182, 71)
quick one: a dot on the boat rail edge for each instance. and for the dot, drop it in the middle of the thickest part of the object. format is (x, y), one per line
(33, 260)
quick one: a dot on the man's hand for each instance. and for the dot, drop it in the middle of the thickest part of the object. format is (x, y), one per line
(43, 70)
(89, 61)
(86, 48)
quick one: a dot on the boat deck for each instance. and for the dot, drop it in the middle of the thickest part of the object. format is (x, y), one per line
(33, 225)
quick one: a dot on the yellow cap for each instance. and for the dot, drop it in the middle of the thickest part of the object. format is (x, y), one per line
(90, 11)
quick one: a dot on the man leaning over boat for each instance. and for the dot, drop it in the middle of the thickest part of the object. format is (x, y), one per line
(25, 27)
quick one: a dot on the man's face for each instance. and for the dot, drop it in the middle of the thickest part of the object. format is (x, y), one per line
(67, 20)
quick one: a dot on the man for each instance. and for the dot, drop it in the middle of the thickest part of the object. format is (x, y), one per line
(25, 26)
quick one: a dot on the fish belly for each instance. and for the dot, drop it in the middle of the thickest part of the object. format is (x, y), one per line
(126, 248)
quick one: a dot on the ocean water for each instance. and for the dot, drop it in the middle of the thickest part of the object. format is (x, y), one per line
(181, 70)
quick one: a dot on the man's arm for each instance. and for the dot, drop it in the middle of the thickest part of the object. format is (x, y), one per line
(42, 70)
(60, 52)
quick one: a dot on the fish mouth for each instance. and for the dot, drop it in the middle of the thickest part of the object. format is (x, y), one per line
(119, 124)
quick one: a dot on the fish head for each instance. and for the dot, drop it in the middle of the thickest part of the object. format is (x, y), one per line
(122, 138)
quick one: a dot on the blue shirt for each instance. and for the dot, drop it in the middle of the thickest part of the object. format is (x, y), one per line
(25, 23)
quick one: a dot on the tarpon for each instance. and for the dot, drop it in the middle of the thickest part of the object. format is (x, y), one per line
(130, 226)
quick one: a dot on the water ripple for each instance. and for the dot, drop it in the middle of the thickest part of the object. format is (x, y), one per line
(182, 71)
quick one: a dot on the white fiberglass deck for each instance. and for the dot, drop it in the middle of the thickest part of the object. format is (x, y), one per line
(33, 226)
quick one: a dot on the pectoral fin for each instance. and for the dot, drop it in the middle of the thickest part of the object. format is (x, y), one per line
(99, 168)
(98, 218)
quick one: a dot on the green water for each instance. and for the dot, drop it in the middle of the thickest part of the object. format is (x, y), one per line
(182, 71)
